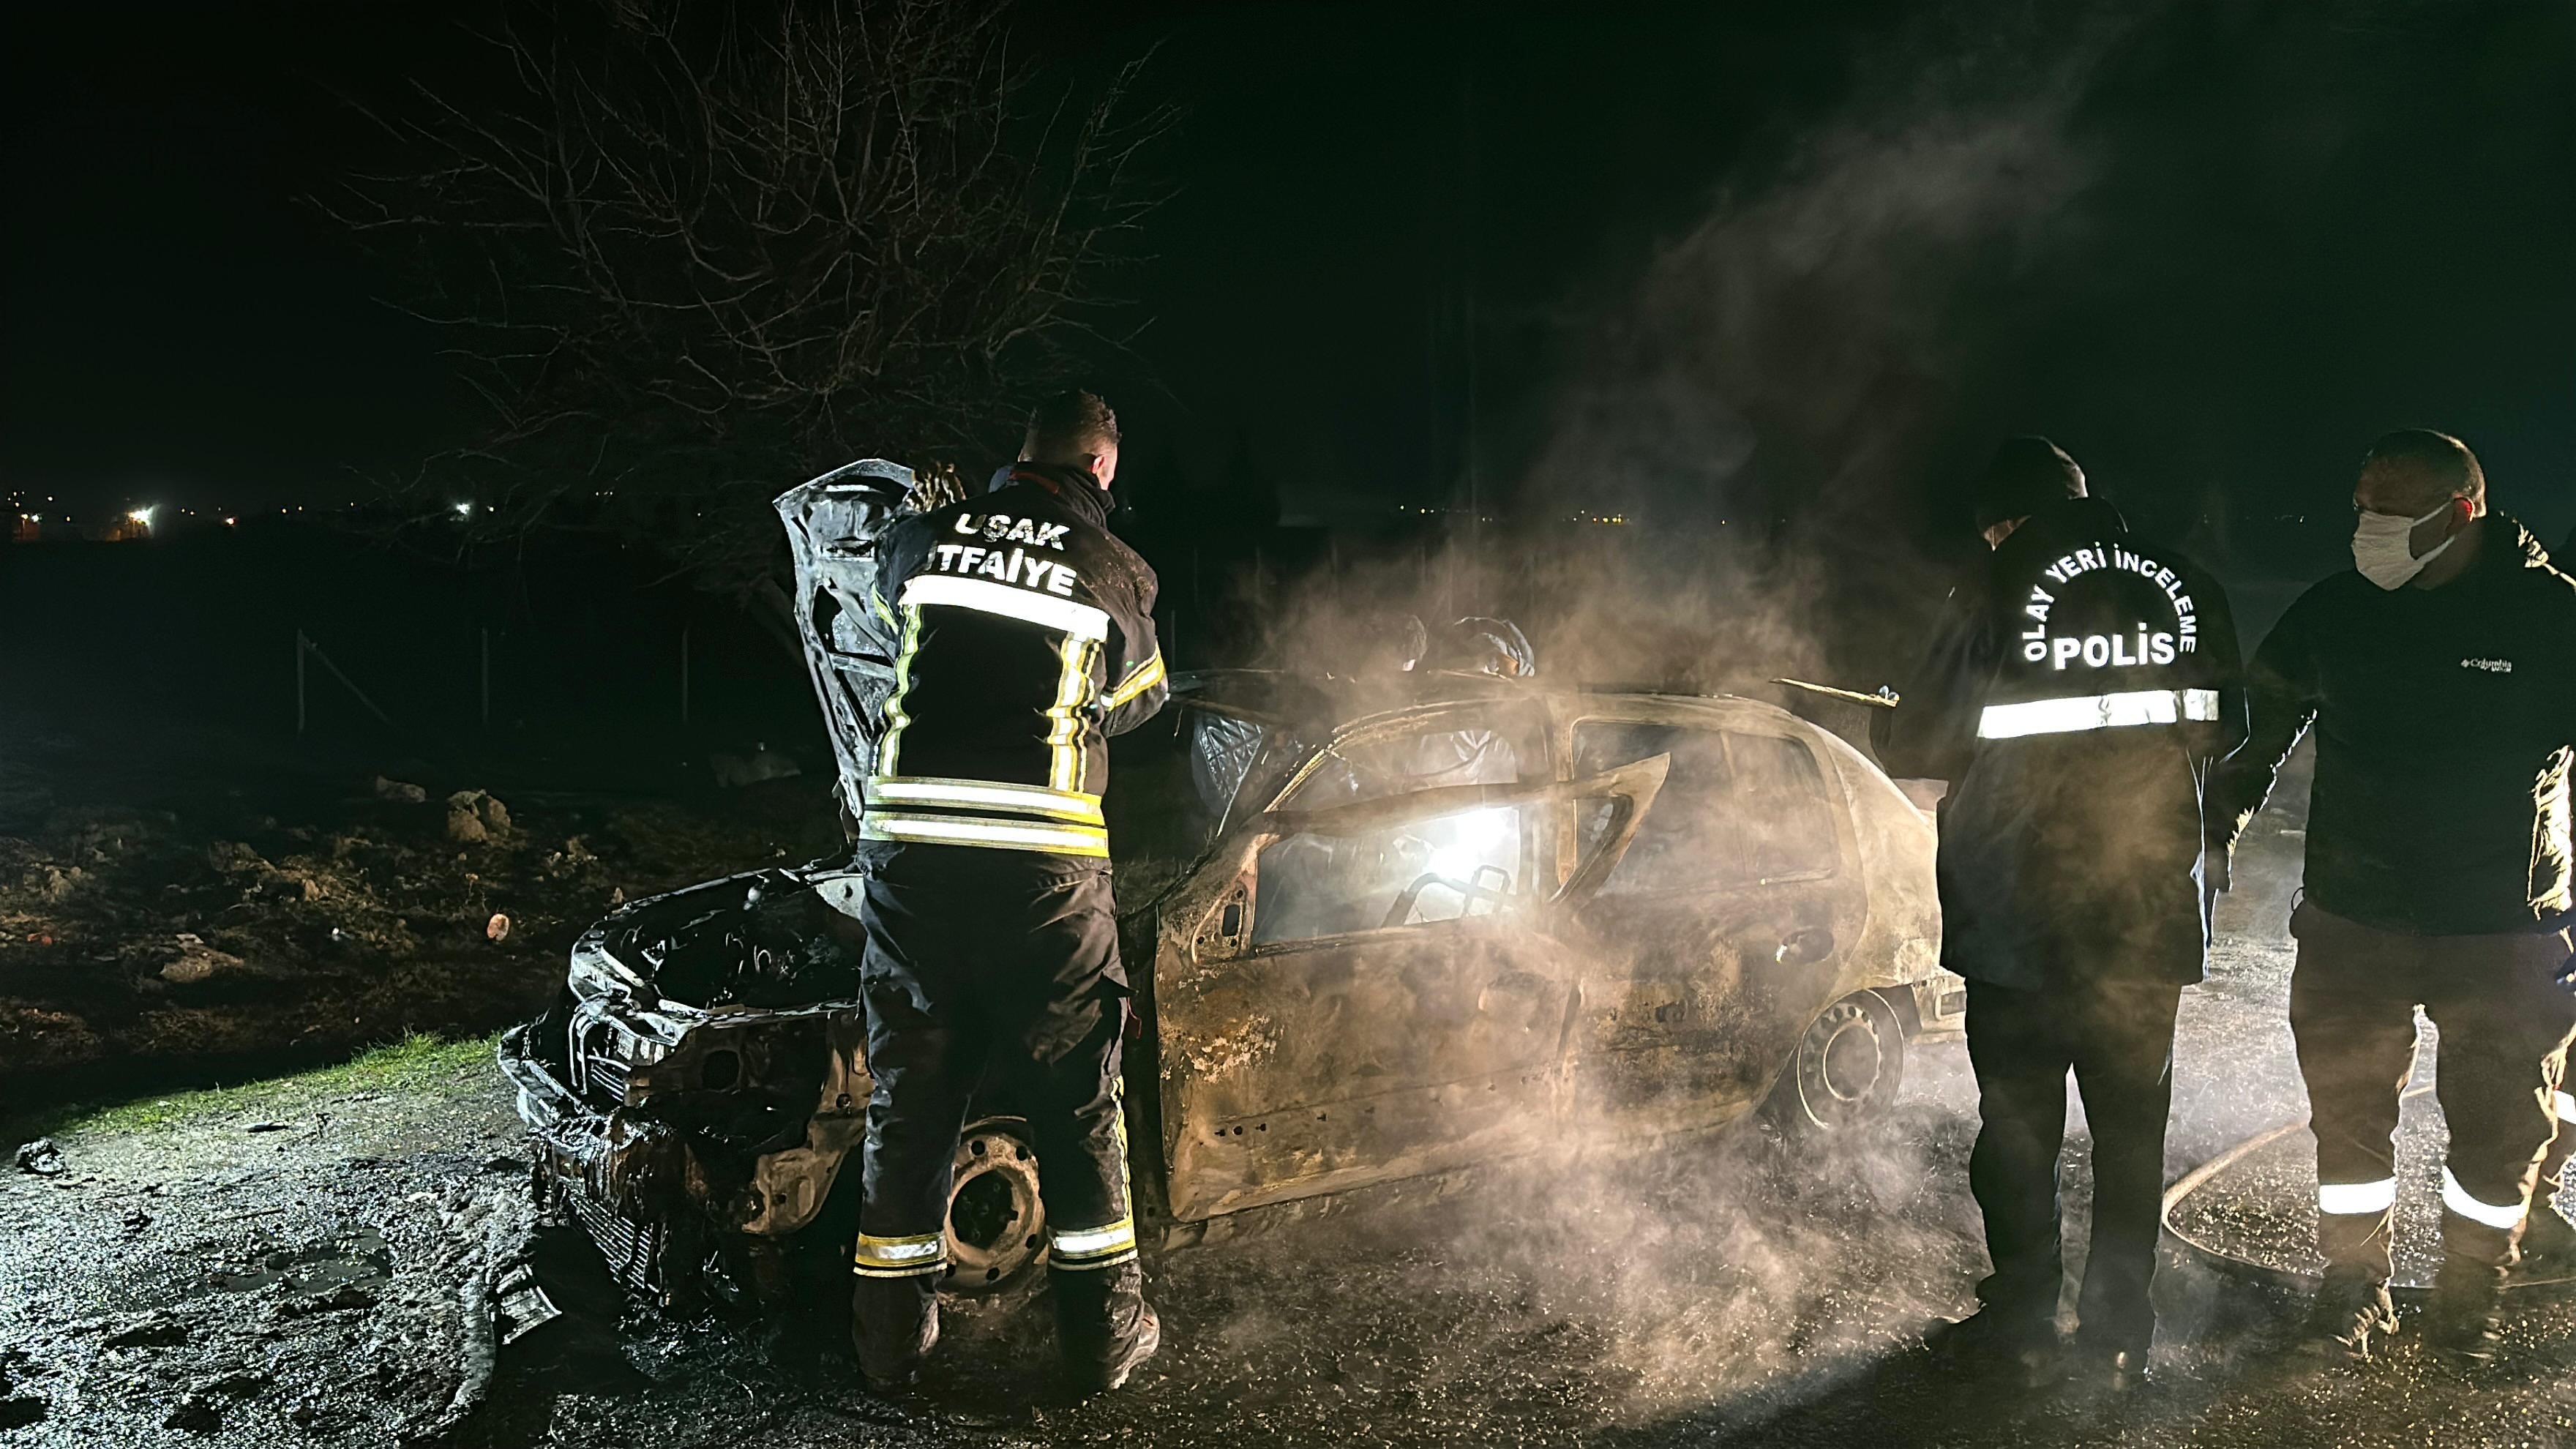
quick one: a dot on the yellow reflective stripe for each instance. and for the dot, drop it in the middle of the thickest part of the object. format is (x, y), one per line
(896, 719)
(1064, 752)
(1092, 1247)
(1144, 677)
(877, 605)
(900, 1257)
(1000, 834)
(1070, 805)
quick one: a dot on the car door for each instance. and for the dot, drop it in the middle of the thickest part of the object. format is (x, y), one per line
(1374, 988)
(1724, 925)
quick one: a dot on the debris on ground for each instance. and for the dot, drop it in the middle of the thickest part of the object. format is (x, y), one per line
(476, 816)
(197, 961)
(41, 1157)
(294, 914)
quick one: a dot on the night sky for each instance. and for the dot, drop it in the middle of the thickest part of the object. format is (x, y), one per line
(1802, 259)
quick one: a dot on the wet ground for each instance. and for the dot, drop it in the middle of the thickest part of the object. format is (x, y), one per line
(301, 1261)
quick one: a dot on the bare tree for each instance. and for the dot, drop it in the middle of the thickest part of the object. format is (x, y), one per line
(703, 252)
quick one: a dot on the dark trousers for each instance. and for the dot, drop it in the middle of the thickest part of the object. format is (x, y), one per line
(2504, 1022)
(2117, 1038)
(1001, 968)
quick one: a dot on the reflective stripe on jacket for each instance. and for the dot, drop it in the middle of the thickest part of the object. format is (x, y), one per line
(1026, 640)
(2075, 700)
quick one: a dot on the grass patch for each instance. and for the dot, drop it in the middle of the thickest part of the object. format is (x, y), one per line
(416, 1063)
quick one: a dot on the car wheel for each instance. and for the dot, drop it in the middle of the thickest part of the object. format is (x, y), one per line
(996, 1221)
(1846, 1070)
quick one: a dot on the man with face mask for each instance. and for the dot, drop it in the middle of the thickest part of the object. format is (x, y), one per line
(2075, 701)
(2441, 677)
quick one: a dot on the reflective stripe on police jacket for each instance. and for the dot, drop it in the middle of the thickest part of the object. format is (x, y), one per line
(2096, 712)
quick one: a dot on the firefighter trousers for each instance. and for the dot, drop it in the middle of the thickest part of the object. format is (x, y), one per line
(2117, 1038)
(2504, 1021)
(991, 970)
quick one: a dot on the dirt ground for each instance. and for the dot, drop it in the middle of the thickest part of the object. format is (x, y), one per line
(301, 1259)
(208, 917)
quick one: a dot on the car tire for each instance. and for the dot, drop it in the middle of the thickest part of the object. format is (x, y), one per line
(996, 1220)
(1846, 1070)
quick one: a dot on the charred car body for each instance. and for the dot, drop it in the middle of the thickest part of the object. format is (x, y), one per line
(1379, 932)
(1372, 944)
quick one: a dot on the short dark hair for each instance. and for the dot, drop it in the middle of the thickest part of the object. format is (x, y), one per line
(1068, 425)
(2444, 458)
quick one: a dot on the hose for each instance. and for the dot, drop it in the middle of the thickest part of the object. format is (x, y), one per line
(2238, 1266)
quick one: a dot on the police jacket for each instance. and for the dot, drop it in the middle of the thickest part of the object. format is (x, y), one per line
(2076, 699)
(2444, 722)
(1026, 639)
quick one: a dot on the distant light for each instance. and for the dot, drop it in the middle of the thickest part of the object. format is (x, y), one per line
(465, 509)
(140, 515)
(228, 522)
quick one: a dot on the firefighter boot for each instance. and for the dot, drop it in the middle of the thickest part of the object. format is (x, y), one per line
(2462, 1323)
(2548, 1239)
(896, 1323)
(1104, 1325)
(2351, 1317)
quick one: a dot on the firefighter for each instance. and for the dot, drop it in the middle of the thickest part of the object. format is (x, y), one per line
(2074, 701)
(1027, 639)
(2440, 674)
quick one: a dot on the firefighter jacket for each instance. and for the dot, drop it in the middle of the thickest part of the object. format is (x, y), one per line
(2076, 700)
(2444, 718)
(1026, 639)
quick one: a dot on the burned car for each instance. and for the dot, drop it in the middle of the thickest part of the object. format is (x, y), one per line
(1378, 937)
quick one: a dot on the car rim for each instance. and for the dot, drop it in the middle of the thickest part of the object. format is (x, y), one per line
(1843, 1065)
(996, 1223)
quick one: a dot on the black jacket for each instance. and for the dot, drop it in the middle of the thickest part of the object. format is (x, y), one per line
(1026, 639)
(2444, 722)
(2075, 699)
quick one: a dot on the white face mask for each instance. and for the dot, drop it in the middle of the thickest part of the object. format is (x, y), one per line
(2382, 547)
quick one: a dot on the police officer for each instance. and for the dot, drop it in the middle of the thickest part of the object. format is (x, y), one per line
(2074, 701)
(2440, 673)
(1026, 640)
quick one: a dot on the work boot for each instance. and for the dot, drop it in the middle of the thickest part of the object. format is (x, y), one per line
(2463, 1323)
(2548, 1240)
(1104, 1325)
(1993, 1344)
(2350, 1318)
(896, 1324)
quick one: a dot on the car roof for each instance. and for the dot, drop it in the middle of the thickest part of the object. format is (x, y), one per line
(1321, 704)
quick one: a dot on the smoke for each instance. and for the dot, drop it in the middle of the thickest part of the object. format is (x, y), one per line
(1729, 482)
(1812, 337)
